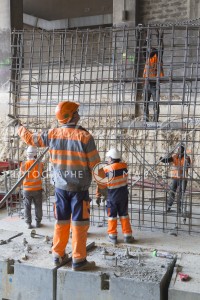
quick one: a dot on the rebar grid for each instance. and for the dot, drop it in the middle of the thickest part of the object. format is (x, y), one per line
(103, 70)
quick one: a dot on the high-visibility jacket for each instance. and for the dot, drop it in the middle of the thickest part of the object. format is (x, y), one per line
(117, 175)
(152, 66)
(73, 154)
(180, 166)
(33, 181)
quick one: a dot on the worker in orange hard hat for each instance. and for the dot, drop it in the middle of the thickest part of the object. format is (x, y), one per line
(65, 111)
(73, 155)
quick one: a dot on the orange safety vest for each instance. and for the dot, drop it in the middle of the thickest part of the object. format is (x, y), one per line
(117, 174)
(180, 166)
(151, 67)
(33, 181)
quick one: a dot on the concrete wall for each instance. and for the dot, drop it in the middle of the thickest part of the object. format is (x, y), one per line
(154, 11)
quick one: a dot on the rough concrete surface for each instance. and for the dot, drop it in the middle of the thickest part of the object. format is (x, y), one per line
(142, 269)
(130, 272)
(184, 290)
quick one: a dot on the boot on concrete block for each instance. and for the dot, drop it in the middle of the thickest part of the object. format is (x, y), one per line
(83, 266)
(60, 261)
(129, 239)
(112, 239)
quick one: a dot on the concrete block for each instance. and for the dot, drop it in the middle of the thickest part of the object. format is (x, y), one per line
(31, 279)
(34, 283)
(188, 264)
(126, 280)
(6, 279)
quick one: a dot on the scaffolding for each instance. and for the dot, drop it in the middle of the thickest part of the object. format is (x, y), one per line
(103, 70)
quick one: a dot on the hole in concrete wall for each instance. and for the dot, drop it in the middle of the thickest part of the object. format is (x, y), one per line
(105, 283)
(10, 266)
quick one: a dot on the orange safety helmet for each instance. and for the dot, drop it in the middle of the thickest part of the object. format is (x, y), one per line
(65, 110)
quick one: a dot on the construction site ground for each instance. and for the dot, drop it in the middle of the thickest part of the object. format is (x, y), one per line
(142, 268)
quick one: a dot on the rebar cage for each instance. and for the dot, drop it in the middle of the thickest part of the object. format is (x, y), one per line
(102, 69)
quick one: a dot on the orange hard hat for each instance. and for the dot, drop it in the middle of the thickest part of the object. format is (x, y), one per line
(65, 110)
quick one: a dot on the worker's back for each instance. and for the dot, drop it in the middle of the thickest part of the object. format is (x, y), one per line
(73, 155)
(33, 180)
(117, 174)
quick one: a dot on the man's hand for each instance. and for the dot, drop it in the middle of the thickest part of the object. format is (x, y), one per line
(104, 193)
(98, 201)
(17, 190)
(15, 123)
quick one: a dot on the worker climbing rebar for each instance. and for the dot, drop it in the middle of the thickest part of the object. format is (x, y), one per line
(153, 70)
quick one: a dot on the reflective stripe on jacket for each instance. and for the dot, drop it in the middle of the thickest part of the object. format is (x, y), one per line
(180, 166)
(73, 154)
(151, 67)
(33, 181)
(117, 175)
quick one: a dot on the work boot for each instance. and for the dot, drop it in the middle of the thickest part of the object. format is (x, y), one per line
(29, 226)
(38, 224)
(59, 261)
(168, 209)
(83, 266)
(129, 239)
(112, 239)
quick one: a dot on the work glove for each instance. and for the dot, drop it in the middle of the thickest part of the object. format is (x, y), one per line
(15, 123)
(98, 201)
(17, 190)
(104, 193)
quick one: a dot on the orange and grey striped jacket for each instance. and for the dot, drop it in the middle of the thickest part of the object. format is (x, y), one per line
(117, 175)
(33, 181)
(151, 67)
(72, 151)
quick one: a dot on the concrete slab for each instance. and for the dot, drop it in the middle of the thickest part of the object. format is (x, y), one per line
(31, 279)
(39, 259)
(184, 290)
(117, 276)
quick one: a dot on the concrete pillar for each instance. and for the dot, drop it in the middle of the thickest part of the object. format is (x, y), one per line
(193, 9)
(124, 12)
(11, 17)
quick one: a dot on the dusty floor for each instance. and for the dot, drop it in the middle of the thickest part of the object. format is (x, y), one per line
(149, 240)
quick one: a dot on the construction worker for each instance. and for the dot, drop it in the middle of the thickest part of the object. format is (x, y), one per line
(73, 155)
(32, 187)
(153, 69)
(117, 199)
(180, 164)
